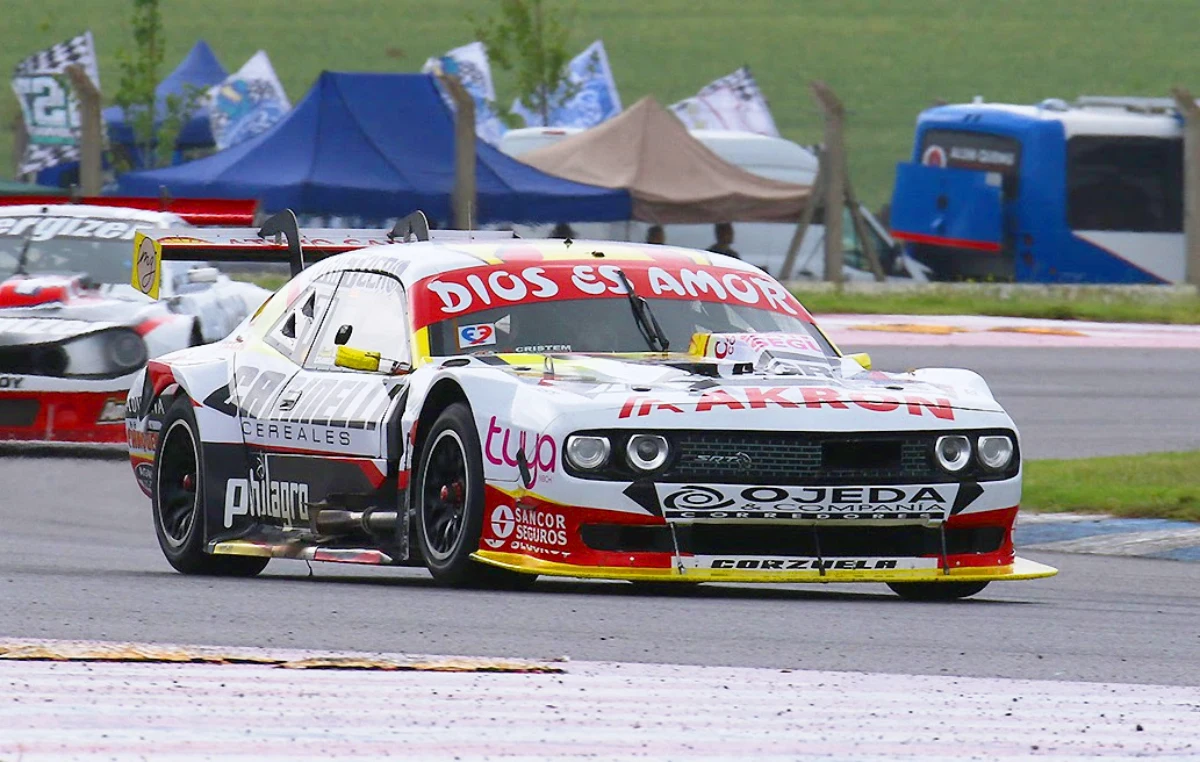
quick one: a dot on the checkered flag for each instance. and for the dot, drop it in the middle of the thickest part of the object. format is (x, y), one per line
(733, 102)
(48, 104)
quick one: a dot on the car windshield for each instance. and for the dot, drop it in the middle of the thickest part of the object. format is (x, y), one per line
(603, 325)
(100, 249)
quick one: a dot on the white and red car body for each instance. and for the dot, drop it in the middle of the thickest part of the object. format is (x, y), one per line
(743, 499)
(41, 397)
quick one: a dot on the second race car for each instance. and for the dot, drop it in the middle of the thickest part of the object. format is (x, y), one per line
(497, 410)
(72, 329)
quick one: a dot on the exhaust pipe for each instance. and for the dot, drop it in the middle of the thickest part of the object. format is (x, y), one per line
(337, 521)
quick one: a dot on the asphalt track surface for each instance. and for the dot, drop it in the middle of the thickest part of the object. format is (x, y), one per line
(78, 559)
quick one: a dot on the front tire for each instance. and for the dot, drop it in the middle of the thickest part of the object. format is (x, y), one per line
(935, 591)
(450, 505)
(178, 501)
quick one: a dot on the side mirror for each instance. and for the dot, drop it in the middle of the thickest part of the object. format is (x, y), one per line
(357, 359)
(203, 275)
(343, 334)
(862, 358)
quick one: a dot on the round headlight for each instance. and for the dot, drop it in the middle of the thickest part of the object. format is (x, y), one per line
(126, 349)
(587, 453)
(647, 452)
(953, 452)
(995, 452)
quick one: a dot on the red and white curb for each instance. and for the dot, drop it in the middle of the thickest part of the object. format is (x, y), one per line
(222, 709)
(986, 331)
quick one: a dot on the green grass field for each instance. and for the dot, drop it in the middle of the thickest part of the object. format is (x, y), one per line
(1160, 485)
(887, 59)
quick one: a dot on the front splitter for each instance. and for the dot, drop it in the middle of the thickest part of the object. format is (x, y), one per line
(1021, 568)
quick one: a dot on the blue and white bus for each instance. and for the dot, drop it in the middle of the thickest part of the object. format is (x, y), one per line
(1089, 192)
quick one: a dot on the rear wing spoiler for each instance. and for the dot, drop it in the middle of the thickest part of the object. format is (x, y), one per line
(279, 240)
(194, 211)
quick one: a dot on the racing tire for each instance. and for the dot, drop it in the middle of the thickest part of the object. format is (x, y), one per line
(935, 591)
(178, 500)
(449, 500)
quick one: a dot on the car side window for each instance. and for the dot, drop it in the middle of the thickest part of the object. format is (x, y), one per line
(294, 331)
(367, 313)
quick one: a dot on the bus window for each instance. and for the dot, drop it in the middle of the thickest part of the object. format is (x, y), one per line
(1125, 183)
(975, 150)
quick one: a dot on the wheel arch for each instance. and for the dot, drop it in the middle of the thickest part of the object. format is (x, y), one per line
(445, 392)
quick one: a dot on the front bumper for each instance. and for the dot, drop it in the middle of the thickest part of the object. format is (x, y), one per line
(63, 416)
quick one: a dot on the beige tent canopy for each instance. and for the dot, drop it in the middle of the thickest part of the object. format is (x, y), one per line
(672, 177)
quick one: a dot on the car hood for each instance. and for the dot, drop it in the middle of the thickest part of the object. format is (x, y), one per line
(684, 390)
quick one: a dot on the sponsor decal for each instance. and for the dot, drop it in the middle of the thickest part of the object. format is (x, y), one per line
(141, 441)
(803, 564)
(261, 498)
(812, 397)
(296, 433)
(46, 228)
(11, 382)
(462, 292)
(724, 346)
(533, 349)
(503, 446)
(526, 528)
(144, 473)
(934, 156)
(325, 400)
(477, 335)
(694, 501)
(113, 412)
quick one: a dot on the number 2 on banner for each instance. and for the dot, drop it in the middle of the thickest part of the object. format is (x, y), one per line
(477, 335)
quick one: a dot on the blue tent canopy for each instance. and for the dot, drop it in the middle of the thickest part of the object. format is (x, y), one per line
(200, 68)
(376, 146)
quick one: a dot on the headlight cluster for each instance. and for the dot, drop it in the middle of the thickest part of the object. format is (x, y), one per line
(994, 452)
(113, 352)
(644, 453)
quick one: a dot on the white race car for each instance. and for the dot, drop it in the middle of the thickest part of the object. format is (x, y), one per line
(496, 410)
(73, 331)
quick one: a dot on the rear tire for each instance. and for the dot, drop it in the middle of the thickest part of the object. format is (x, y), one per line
(449, 499)
(935, 591)
(178, 501)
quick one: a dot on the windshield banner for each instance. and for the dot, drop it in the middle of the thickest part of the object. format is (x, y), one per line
(48, 104)
(462, 292)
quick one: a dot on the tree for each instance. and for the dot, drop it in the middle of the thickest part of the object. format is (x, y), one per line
(526, 37)
(140, 73)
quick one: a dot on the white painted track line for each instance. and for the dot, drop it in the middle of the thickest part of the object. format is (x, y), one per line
(598, 711)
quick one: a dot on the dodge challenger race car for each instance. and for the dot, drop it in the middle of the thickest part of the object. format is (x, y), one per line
(73, 331)
(497, 409)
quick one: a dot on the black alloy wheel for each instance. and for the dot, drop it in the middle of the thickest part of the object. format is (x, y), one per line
(449, 500)
(932, 592)
(178, 501)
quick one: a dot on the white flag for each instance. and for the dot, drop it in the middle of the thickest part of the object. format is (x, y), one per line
(595, 99)
(48, 103)
(729, 103)
(247, 103)
(470, 64)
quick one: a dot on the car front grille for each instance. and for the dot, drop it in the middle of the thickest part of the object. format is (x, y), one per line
(805, 541)
(801, 458)
(33, 359)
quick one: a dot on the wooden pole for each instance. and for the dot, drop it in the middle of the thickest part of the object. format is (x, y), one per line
(91, 134)
(464, 151)
(863, 233)
(835, 189)
(815, 199)
(1191, 183)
